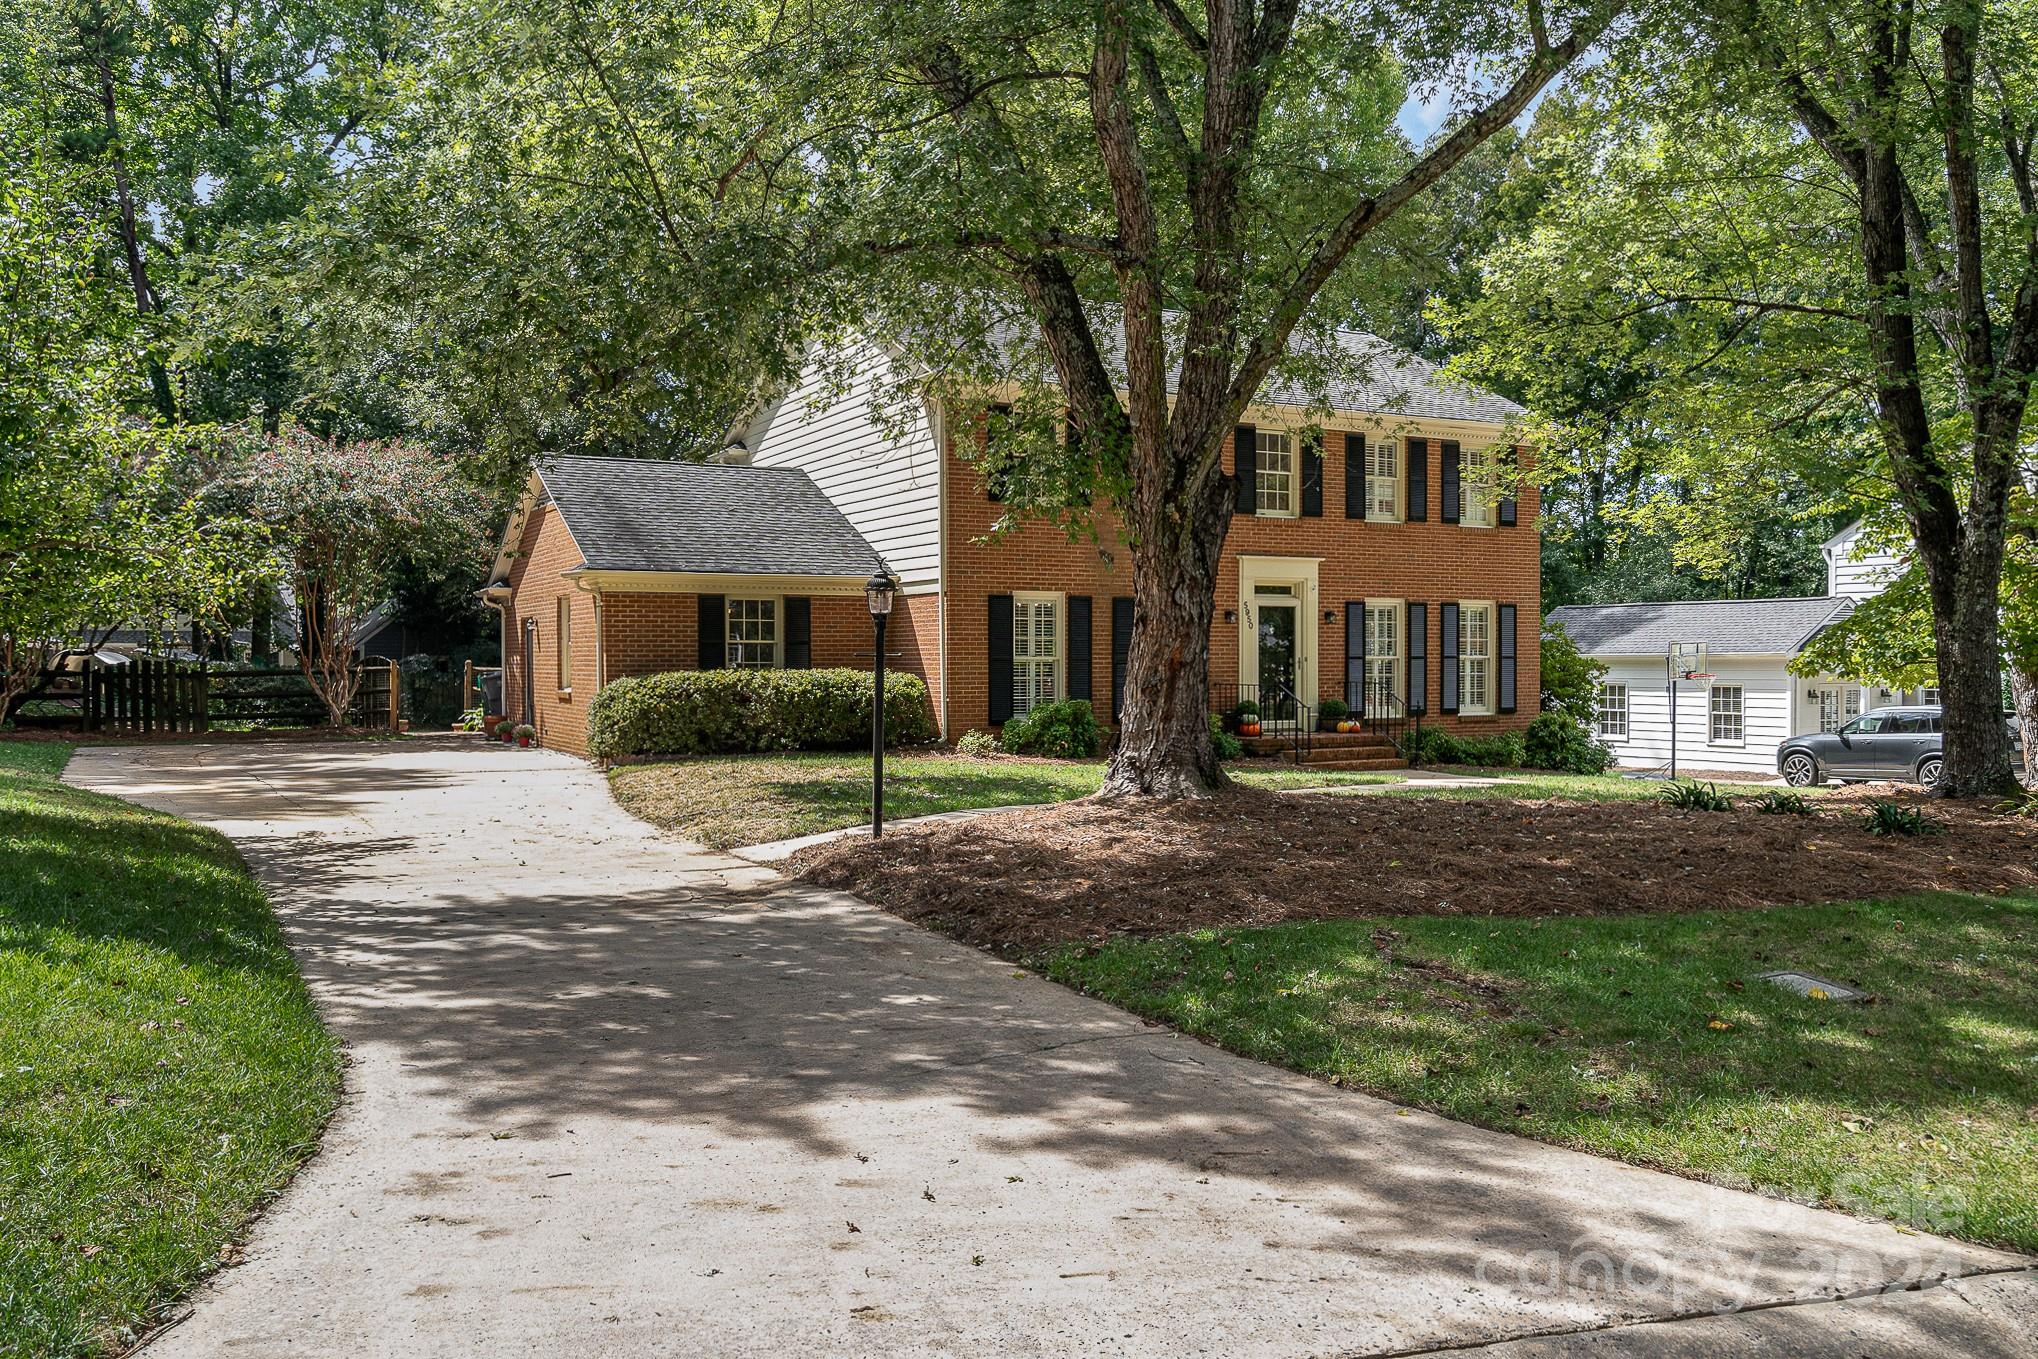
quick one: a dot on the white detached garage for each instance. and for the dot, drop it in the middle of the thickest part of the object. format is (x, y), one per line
(1733, 723)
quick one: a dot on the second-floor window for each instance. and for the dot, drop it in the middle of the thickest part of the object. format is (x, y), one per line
(1477, 488)
(1275, 464)
(1383, 481)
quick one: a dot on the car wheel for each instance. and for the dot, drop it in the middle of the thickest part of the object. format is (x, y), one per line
(1930, 771)
(1800, 771)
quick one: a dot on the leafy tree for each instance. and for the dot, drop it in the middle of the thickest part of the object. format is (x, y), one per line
(98, 522)
(345, 517)
(1570, 678)
(1828, 216)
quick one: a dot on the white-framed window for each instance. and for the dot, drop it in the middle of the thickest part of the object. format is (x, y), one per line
(1613, 712)
(1383, 481)
(1036, 651)
(1928, 694)
(1274, 472)
(1383, 658)
(1475, 659)
(1475, 488)
(564, 645)
(1726, 726)
(753, 634)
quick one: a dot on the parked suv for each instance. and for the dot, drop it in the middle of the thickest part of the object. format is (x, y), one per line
(1883, 743)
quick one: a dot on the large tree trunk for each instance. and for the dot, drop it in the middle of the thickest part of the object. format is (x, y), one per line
(2024, 693)
(1966, 634)
(1164, 726)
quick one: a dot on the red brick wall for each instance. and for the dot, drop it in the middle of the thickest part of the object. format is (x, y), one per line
(536, 586)
(1430, 563)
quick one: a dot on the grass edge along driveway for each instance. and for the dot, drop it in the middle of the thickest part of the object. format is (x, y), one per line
(1647, 1038)
(163, 1072)
(723, 801)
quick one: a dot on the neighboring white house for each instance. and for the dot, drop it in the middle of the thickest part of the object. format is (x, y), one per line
(1736, 722)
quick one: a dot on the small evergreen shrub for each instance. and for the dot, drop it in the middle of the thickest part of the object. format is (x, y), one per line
(1555, 741)
(1066, 730)
(1776, 802)
(1894, 818)
(1334, 710)
(977, 744)
(1223, 743)
(1695, 797)
(706, 712)
(1502, 750)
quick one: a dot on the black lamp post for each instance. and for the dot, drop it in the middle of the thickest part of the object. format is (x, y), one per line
(878, 591)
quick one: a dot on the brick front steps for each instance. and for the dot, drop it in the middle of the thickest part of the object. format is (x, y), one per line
(1348, 750)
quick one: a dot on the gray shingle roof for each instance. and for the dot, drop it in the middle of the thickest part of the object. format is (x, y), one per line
(1730, 627)
(1365, 374)
(641, 514)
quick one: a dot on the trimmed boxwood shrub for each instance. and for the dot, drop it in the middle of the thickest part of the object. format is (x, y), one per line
(1502, 750)
(1066, 730)
(708, 712)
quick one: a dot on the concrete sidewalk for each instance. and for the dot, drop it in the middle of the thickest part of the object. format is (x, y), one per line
(614, 1095)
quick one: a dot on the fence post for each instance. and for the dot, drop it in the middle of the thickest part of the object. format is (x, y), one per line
(467, 685)
(395, 697)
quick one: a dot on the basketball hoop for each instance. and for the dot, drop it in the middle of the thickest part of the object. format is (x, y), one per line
(1703, 677)
(1689, 661)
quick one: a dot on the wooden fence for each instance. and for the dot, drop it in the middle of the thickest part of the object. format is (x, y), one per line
(150, 696)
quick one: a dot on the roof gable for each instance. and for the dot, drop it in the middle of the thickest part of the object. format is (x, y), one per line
(651, 515)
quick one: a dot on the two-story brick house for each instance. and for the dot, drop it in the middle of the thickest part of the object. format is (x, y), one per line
(1377, 555)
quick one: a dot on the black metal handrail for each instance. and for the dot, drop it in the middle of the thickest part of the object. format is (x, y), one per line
(1281, 713)
(1383, 712)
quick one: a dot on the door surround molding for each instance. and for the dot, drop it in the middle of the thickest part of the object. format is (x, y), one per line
(1302, 574)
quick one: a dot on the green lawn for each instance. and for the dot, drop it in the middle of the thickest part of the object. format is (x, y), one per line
(750, 799)
(1539, 783)
(162, 1071)
(1647, 1038)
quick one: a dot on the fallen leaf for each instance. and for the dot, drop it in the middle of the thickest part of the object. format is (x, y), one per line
(1718, 1025)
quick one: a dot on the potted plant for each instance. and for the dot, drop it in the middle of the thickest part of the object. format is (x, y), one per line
(1246, 717)
(525, 733)
(506, 731)
(1331, 714)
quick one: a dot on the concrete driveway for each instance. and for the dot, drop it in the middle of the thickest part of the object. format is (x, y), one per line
(612, 1094)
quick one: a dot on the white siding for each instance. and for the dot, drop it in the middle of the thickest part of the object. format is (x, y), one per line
(1768, 705)
(888, 484)
(1854, 572)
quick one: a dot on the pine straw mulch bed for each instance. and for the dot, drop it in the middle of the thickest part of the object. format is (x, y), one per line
(1020, 881)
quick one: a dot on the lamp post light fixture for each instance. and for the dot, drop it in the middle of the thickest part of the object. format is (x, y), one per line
(878, 591)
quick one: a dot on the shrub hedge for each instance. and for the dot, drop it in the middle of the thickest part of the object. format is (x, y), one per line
(1066, 730)
(708, 712)
(1503, 750)
(1556, 741)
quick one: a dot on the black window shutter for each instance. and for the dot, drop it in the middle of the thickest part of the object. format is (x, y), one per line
(1505, 516)
(1355, 656)
(1415, 453)
(1245, 457)
(713, 652)
(994, 476)
(1507, 658)
(1418, 658)
(1312, 474)
(799, 633)
(1001, 658)
(1355, 476)
(1449, 638)
(1121, 651)
(1079, 646)
(1453, 470)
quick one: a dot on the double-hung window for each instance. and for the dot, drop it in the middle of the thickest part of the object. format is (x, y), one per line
(1726, 727)
(1613, 712)
(1475, 659)
(564, 645)
(1476, 488)
(1383, 481)
(1383, 659)
(753, 634)
(1274, 464)
(1036, 651)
